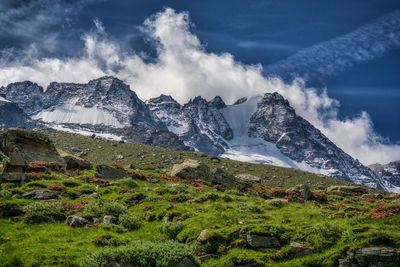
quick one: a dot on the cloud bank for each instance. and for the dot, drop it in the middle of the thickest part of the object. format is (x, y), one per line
(184, 69)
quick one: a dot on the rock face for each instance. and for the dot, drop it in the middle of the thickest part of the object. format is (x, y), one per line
(298, 250)
(11, 115)
(389, 173)
(73, 162)
(372, 256)
(199, 123)
(276, 122)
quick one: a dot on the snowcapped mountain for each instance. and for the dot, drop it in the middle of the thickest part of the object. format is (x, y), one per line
(390, 173)
(260, 129)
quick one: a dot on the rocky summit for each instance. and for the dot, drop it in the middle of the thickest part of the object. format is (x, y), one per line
(260, 129)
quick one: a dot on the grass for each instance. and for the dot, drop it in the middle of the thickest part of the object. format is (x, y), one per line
(160, 222)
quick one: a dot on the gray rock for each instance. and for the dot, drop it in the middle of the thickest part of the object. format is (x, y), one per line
(94, 195)
(192, 169)
(260, 241)
(109, 219)
(246, 178)
(302, 190)
(40, 195)
(372, 256)
(76, 150)
(347, 189)
(110, 173)
(298, 250)
(76, 221)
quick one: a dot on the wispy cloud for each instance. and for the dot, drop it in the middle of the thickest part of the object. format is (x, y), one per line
(332, 57)
(266, 45)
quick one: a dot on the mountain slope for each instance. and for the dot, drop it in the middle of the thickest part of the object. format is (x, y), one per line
(11, 115)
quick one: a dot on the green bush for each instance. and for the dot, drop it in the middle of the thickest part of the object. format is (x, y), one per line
(165, 254)
(87, 189)
(109, 240)
(128, 183)
(5, 194)
(131, 222)
(99, 208)
(38, 212)
(171, 229)
(70, 183)
(113, 228)
(324, 235)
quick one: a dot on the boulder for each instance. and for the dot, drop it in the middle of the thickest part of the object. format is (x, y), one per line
(246, 178)
(32, 145)
(10, 211)
(223, 177)
(73, 162)
(16, 164)
(348, 189)
(192, 169)
(372, 256)
(298, 250)
(40, 195)
(260, 241)
(109, 219)
(302, 190)
(76, 221)
(110, 173)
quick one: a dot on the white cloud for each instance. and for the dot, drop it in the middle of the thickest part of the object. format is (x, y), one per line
(184, 69)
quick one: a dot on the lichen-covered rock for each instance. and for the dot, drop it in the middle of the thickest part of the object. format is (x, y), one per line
(76, 221)
(32, 145)
(109, 219)
(110, 173)
(372, 256)
(192, 169)
(202, 236)
(298, 250)
(186, 262)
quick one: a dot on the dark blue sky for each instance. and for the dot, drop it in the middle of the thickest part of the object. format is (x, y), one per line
(254, 31)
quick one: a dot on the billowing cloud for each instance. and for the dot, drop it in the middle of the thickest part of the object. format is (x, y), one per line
(184, 69)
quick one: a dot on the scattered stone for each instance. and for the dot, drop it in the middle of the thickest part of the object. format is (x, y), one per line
(223, 177)
(12, 178)
(40, 195)
(109, 219)
(347, 189)
(107, 172)
(153, 180)
(259, 241)
(372, 256)
(93, 136)
(202, 236)
(119, 157)
(298, 250)
(302, 190)
(76, 221)
(215, 159)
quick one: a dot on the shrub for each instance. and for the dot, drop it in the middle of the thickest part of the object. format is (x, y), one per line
(38, 212)
(109, 240)
(131, 222)
(100, 208)
(5, 194)
(165, 254)
(227, 198)
(171, 229)
(128, 183)
(70, 183)
(250, 208)
(113, 228)
(324, 235)
(87, 189)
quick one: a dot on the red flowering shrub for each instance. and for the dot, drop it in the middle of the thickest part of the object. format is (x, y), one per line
(57, 187)
(118, 166)
(92, 179)
(38, 176)
(52, 165)
(279, 193)
(137, 175)
(147, 207)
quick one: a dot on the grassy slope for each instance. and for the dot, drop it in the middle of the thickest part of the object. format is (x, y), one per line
(328, 223)
(105, 151)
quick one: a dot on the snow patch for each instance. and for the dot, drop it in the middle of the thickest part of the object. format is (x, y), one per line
(77, 114)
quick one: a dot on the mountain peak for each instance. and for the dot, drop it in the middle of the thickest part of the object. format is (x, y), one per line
(217, 102)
